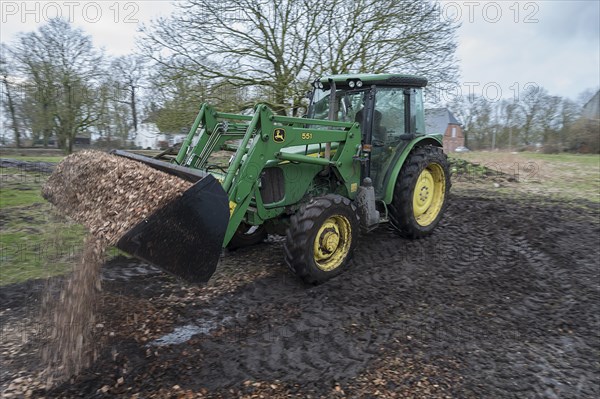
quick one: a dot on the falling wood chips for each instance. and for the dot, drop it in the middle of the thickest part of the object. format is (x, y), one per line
(109, 195)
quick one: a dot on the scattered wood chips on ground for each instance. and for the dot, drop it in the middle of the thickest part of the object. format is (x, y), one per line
(109, 195)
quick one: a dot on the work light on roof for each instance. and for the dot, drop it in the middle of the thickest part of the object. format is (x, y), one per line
(359, 83)
(351, 84)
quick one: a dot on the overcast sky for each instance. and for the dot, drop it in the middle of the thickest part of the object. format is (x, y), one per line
(503, 45)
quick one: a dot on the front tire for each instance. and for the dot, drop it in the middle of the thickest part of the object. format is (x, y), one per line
(421, 192)
(321, 238)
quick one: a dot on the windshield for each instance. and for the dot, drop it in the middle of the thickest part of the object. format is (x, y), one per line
(348, 103)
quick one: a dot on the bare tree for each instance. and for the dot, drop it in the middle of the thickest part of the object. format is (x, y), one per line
(113, 115)
(175, 99)
(532, 102)
(569, 113)
(9, 104)
(467, 110)
(513, 121)
(60, 63)
(277, 46)
(128, 73)
(549, 121)
(387, 35)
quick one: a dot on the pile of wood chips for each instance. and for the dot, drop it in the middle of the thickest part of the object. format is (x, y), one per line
(109, 195)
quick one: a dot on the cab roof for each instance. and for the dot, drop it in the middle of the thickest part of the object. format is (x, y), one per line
(380, 79)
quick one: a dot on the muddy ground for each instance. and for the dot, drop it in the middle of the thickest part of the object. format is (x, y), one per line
(503, 301)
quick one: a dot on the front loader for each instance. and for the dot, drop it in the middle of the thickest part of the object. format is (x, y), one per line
(361, 157)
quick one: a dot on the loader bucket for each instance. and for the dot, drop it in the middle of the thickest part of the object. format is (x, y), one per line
(183, 172)
(185, 237)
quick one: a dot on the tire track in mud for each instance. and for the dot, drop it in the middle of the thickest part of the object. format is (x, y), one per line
(503, 288)
(538, 307)
(477, 290)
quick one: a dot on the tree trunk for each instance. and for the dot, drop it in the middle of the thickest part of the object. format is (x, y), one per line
(134, 110)
(47, 122)
(13, 116)
(280, 107)
(61, 142)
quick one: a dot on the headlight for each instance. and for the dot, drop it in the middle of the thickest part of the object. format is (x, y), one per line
(351, 84)
(359, 83)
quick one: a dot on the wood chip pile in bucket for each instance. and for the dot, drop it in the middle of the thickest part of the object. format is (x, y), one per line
(109, 195)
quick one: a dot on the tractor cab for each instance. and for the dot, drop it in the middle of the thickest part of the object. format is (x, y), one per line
(388, 107)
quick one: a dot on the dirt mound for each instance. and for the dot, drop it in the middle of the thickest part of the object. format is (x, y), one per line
(109, 195)
(463, 170)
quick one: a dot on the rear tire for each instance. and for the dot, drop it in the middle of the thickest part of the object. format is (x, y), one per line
(421, 192)
(321, 238)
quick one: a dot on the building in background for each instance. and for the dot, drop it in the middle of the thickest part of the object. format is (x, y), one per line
(591, 109)
(146, 136)
(442, 121)
(149, 137)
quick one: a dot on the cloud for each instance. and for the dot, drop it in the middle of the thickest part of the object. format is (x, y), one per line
(112, 25)
(571, 19)
(552, 43)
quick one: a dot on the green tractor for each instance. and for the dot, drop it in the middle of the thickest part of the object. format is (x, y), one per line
(359, 158)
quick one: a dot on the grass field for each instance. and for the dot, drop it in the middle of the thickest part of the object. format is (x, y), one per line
(36, 159)
(35, 242)
(564, 176)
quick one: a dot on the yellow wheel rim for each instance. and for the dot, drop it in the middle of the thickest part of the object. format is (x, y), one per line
(428, 197)
(332, 243)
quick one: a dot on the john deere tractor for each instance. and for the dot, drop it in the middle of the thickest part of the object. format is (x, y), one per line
(359, 158)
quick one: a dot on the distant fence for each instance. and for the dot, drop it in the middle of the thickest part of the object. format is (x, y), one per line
(31, 151)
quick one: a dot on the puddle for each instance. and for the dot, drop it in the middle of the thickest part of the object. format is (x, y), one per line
(128, 271)
(184, 333)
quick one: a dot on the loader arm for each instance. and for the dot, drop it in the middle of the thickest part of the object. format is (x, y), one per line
(259, 141)
(265, 141)
(262, 145)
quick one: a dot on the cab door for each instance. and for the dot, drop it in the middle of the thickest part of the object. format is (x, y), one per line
(389, 126)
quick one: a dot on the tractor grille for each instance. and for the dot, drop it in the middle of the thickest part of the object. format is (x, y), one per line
(272, 187)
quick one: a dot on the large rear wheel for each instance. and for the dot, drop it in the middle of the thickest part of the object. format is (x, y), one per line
(321, 238)
(421, 192)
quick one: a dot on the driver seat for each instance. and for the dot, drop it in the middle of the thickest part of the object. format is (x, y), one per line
(379, 132)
